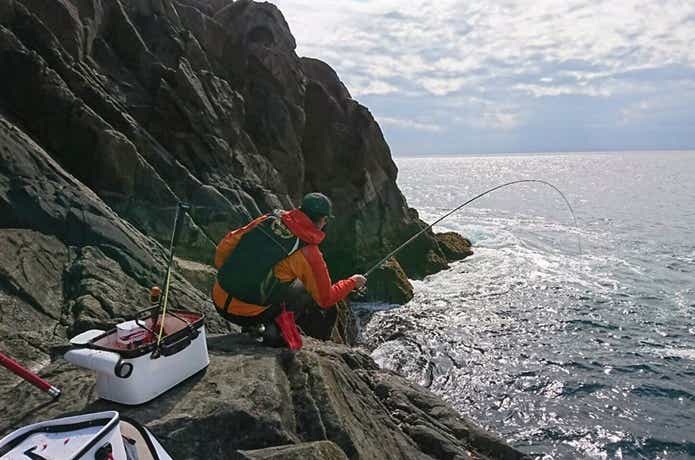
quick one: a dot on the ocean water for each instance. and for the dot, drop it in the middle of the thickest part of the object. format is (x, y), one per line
(566, 341)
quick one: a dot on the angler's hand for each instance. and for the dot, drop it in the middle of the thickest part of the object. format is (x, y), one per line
(360, 281)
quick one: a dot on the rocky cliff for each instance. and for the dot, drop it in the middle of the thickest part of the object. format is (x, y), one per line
(111, 111)
(148, 102)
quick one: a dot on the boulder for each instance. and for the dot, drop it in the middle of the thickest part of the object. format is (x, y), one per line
(389, 283)
(454, 246)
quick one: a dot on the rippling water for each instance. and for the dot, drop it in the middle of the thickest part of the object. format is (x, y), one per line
(565, 354)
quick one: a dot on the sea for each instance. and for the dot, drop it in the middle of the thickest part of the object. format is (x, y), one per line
(566, 338)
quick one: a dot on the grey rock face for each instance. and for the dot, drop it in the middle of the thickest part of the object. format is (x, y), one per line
(68, 262)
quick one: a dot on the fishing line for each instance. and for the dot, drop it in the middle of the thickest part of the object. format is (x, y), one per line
(398, 249)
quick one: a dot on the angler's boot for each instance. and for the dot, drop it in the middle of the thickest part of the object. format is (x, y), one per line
(272, 336)
(255, 331)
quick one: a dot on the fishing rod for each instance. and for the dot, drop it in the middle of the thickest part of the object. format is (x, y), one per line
(398, 249)
(181, 210)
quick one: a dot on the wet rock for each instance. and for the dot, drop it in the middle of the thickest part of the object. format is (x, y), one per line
(454, 246)
(346, 329)
(389, 283)
(433, 426)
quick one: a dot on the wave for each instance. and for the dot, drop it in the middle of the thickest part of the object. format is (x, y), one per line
(656, 391)
(592, 324)
(649, 448)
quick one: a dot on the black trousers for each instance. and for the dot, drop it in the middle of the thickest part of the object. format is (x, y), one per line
(268, 316)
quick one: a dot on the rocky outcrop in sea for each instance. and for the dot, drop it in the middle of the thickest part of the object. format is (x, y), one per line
(111, 112)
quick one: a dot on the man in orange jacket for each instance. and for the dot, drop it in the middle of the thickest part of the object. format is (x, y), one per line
(261, 265)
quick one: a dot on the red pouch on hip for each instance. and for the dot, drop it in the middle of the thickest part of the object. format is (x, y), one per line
(288, 329)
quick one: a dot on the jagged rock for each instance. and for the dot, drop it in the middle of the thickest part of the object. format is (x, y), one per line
(320, 450)
(321, 72)
(454, 246)
(201, 276)
(209, 33)
(68, 260)
(346, 328)
(62, 17)
(260, 60)
(437, 430)
(31, 301)
(423, 256)
(91, 15)
(71, 263)
(253, 397)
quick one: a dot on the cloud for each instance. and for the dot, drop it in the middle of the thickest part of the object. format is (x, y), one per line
(657, 108)
(373, 87)
(546, 88)
(412, 124)
(501, 119)
(442, 86)
(508, 62)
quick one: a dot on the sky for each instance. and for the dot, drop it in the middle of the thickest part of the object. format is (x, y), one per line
(478, 76)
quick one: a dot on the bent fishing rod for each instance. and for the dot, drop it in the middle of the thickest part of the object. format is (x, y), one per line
(412, 238)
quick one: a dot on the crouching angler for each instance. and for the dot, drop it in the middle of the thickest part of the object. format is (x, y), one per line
(274, 262)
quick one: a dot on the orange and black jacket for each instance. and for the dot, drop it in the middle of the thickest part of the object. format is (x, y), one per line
(306, 264)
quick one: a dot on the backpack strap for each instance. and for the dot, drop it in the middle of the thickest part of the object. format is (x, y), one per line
(270, 283)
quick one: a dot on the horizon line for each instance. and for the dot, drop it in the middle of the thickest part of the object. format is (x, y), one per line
(550, 152)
